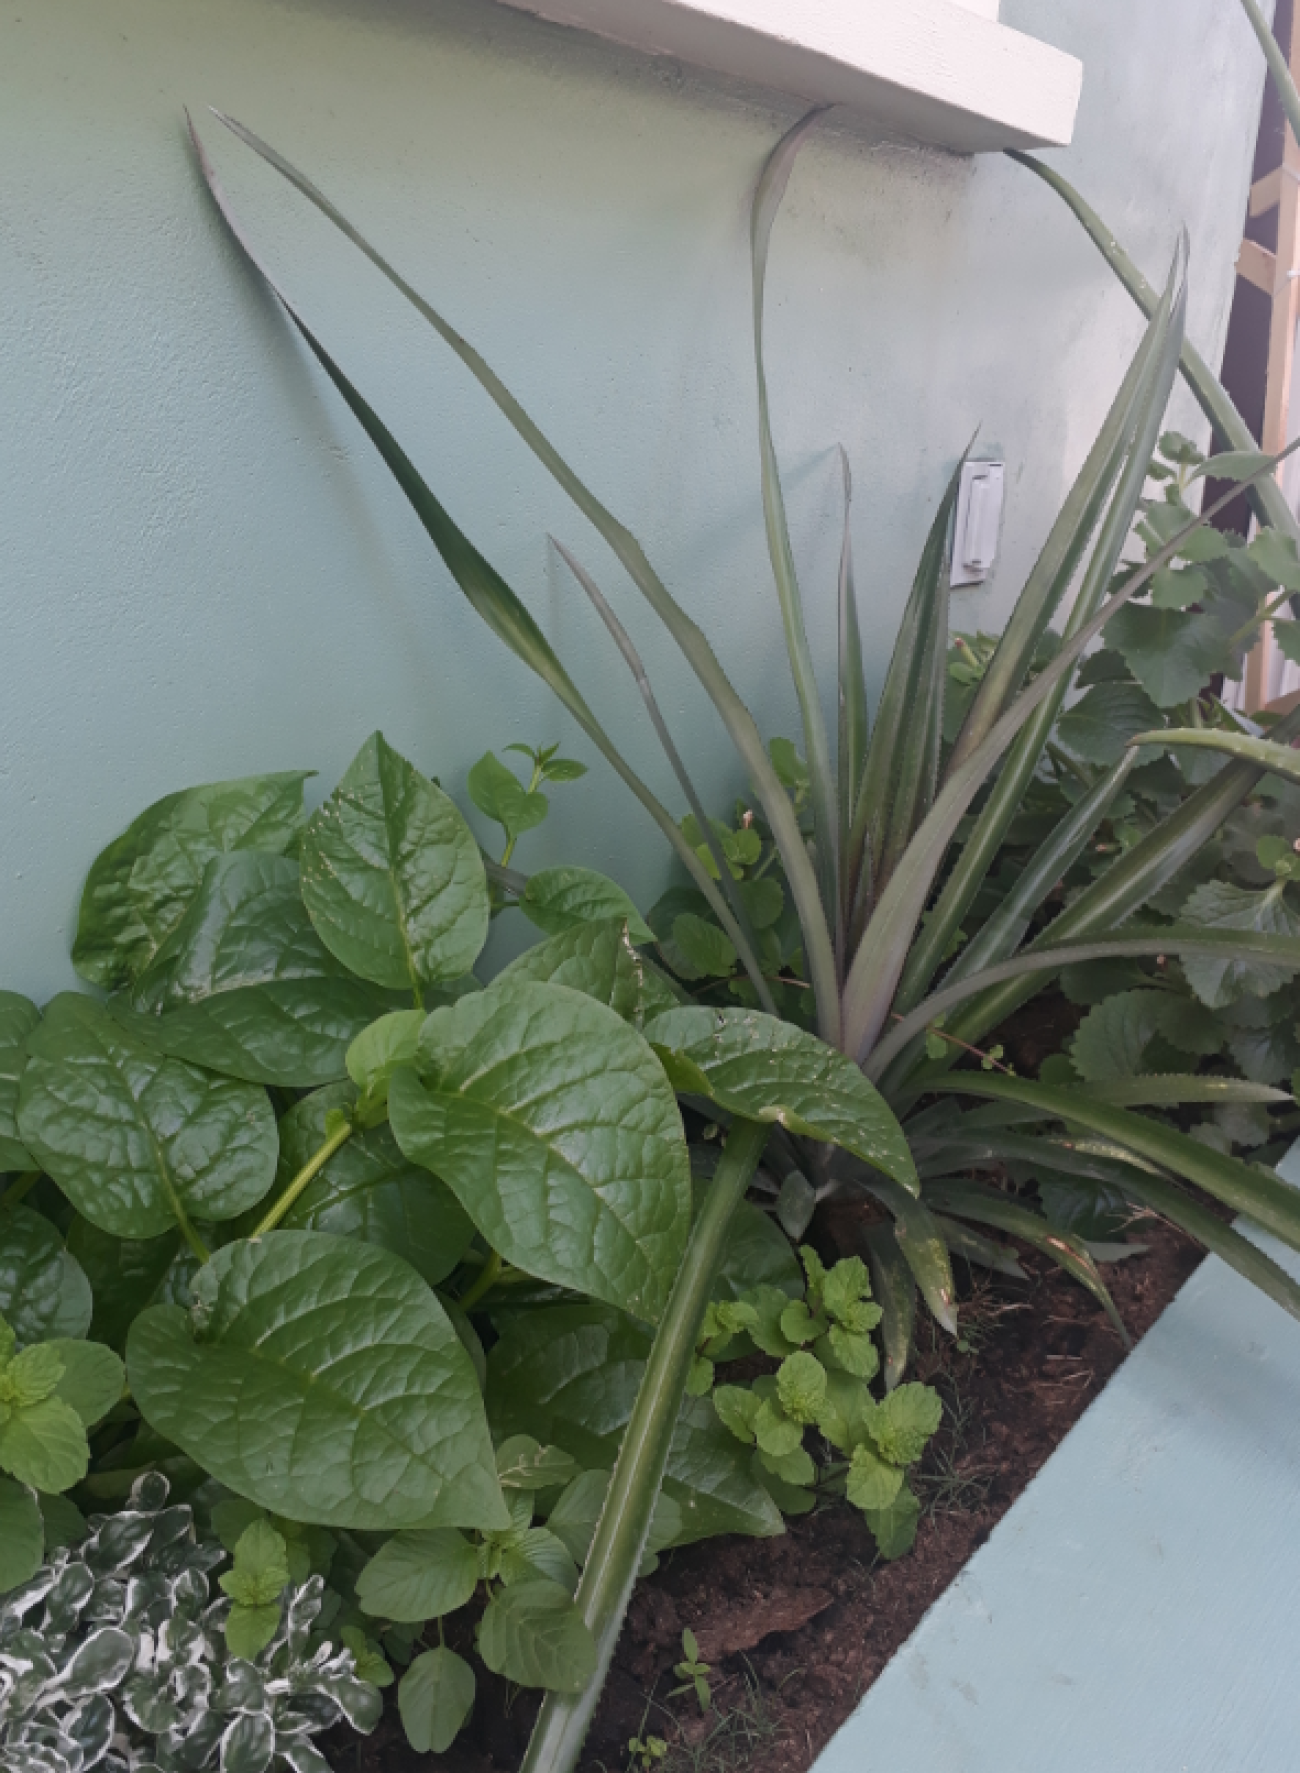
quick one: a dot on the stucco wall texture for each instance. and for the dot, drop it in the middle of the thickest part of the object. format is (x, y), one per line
(206, 571)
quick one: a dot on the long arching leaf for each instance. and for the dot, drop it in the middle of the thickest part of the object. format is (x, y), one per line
(690, 638)
(853, 723)
(1259, 1193)
(767, 200)
(1278, 760)
(1211, 396)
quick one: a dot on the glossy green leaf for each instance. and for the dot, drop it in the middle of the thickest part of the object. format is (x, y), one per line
(22, 1537)
(771, 1071)
(92, 1378)
(245, 986)
(553, 1124)
(418, 1576)
(533, 1634)
(383, 1048)
(124, 1275)
(369, 1191)
(576, 1513)
(392, 876)
(139, 888)
(43, 1289)
(757, 1253)
(18, 1016)
(137, 1140)
(570, 1376)
(597, 959)
(435, 1696)
(497, 791)
(321, 1378)
(565, 898)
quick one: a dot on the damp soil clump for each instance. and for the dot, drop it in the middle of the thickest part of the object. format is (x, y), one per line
(796, 1629)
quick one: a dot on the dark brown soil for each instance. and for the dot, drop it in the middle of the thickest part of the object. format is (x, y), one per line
(797, 1628)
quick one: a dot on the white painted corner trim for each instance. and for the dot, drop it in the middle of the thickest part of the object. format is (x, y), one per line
(939, 71)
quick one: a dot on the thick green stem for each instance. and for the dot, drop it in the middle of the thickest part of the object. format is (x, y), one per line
(309, 1171)
(487, 1278)
(20, 1189)
(624, 1525)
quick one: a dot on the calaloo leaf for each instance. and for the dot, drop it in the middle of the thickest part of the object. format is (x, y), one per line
(559, 899)
(43, 1289)
(533, 1634)
(553, 1124)
(392, 876)
(138, 889)
(22, 1535)
(369, 1191)
(137, 1140)
(1173, 653)
(322, 1379)
(434, 1697)
(772, 1071)
(419, 1576)
(18, 1016)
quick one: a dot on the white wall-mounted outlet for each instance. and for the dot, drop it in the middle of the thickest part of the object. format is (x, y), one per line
(978, 522)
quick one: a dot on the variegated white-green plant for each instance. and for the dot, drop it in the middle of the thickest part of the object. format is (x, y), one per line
(115, 1656)
(881, 843)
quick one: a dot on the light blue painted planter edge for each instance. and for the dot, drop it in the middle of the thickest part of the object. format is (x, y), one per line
(1134, 1611)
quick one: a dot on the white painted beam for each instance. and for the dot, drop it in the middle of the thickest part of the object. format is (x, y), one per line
(939, 71)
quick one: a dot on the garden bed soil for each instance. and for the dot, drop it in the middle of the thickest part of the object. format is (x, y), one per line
(797, 1628)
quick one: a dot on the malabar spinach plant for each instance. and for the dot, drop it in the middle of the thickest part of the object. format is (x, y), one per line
(385, 1248)
(879, 846)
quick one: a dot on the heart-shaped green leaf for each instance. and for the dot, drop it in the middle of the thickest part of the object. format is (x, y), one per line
(245, 986)
(552, 1122)
(124, 1275)
(599, 960)
(569, 1377)
(418, 1576)
(138, 889)
(369, 1191)
(392, 876)
(497, 791)
(43, 1290)
(22, 1537)
(134, 1138)
(434, 1697)
(560, 899)
(771, 1071)
(321, 1378)
(18, 1016)
(533, 1634)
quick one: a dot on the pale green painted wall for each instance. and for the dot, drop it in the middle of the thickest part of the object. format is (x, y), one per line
(205, 571)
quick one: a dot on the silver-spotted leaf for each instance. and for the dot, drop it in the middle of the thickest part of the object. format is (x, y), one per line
(392, 876)
(139, 888)
(553, 1124)
(321, 1378)
(769, 1071)
(128, 1133)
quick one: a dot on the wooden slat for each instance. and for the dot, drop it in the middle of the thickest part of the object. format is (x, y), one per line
(1264, 193)
(1257, 265)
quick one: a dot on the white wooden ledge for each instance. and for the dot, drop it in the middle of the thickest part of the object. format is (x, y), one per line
(938, 71)
(1135, 1610)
